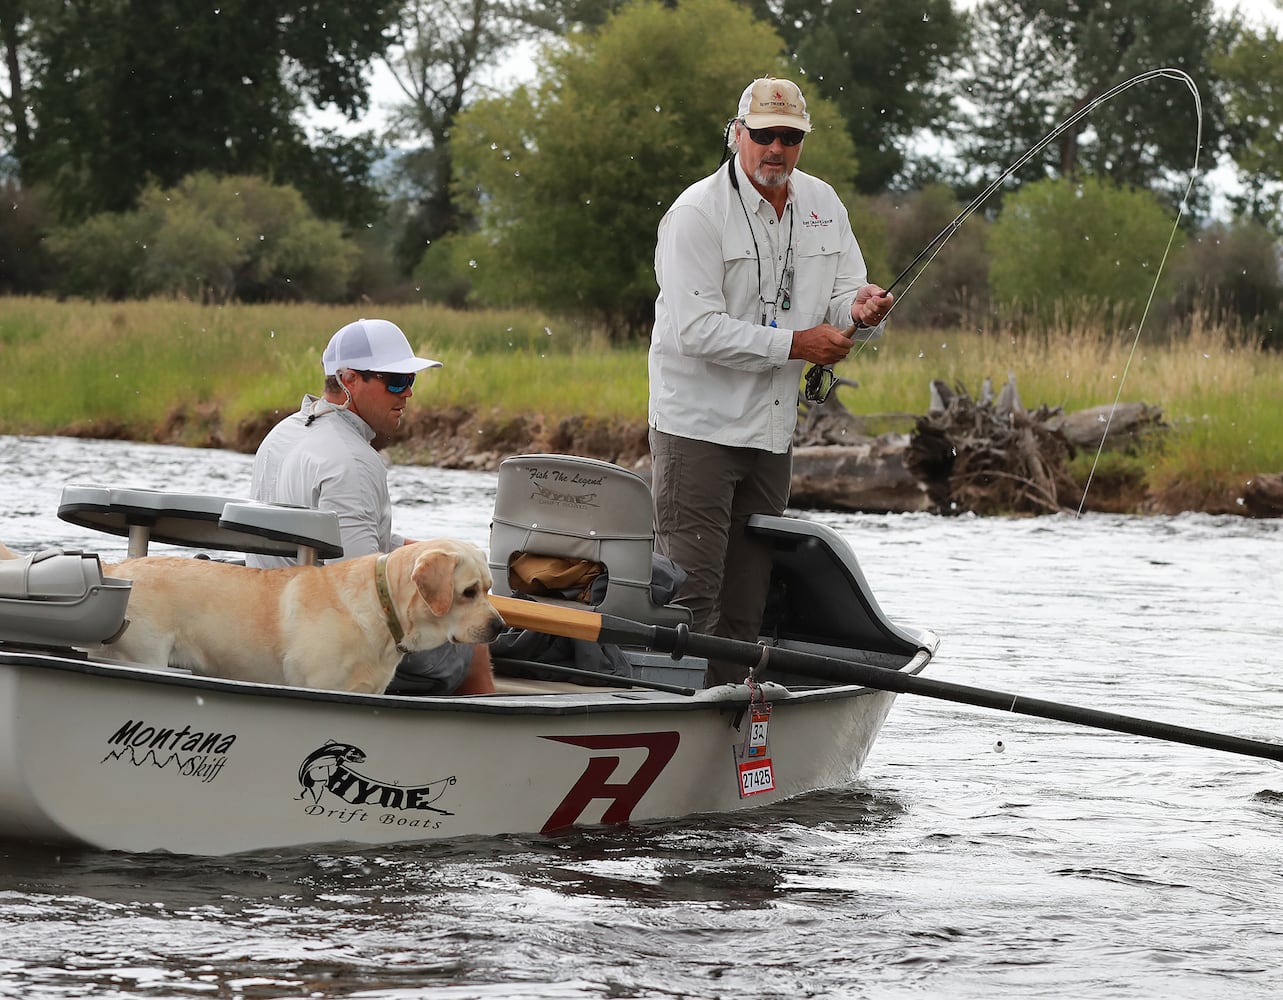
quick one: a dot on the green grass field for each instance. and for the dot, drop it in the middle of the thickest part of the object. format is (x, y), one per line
(133, 364)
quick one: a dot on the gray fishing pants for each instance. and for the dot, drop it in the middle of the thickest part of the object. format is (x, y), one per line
(704, 494)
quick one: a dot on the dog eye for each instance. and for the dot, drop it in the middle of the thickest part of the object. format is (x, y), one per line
(470, 592)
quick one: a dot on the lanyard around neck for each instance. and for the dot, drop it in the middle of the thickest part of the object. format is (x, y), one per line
(784, 291)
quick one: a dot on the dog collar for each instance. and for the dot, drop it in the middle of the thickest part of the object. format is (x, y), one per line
(385, 599)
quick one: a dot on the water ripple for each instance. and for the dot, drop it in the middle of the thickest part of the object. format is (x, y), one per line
(1073, 864)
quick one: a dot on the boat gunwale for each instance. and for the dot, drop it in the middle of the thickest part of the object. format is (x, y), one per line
(551, 704)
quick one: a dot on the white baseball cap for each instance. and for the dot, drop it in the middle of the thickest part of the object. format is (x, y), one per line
(372, 345)
(772, 103)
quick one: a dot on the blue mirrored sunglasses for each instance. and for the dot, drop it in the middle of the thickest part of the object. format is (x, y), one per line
(395, 382)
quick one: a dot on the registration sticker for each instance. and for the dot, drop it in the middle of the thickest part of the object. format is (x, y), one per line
(753, 755)
(756, 778)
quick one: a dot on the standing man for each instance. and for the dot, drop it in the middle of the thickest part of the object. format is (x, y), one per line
(759, 273)
(323, 457)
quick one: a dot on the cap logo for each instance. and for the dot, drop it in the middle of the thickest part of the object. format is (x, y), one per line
(772, 103)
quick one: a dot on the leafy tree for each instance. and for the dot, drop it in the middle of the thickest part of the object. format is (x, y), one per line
(15, 128)
(211, 239)
(1230, 273)
(1033, 63)
(563, 16)
(1060, 245)
(946, 289)
(127, 94)
(1250, 66)
(441, 48)
(569, 176)
(442, 57)
(25, 267)
(883, 64)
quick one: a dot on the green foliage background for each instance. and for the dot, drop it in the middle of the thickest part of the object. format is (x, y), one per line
(1108, 247)
(571, 176)
(122, 127)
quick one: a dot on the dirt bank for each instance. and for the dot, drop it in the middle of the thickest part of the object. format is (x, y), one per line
(850, 476)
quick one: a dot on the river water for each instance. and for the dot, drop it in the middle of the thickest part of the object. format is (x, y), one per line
(980, 855)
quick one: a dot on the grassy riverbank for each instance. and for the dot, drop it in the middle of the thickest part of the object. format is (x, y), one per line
(181, 372)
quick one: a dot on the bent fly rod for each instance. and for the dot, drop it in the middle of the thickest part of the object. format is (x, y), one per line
(817, 374)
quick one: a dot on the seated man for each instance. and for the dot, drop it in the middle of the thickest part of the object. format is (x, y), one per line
(322, 456)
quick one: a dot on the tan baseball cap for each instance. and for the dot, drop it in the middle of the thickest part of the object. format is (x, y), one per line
(772, 103)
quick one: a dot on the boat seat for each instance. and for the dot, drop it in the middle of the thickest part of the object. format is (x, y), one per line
(580, 508)
(195, 519)
(60, 598)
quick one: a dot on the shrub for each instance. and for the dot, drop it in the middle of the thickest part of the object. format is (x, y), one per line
(1063, 246)
(1230, 274)
(955, 285)
(210, 240)
(25, 265)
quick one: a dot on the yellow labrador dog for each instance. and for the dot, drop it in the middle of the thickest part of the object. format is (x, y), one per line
(306, 626)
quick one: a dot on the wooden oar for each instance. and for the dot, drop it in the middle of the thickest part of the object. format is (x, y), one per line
(679, 641)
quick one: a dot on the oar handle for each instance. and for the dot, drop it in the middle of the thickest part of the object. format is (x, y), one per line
(551, 619)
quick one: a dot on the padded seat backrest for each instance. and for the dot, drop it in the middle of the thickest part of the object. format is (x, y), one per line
(580, 508)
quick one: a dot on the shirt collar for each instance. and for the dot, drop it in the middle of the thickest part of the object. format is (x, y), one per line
(316, 406)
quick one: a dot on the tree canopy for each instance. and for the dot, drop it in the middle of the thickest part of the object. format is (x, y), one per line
(1250, 68)
(1033, 63)
(884, 65)
(571, 175)
(1060, 245)
(127, 94)
(550, 194)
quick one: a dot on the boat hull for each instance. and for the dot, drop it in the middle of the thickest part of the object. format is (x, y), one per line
(156, 760)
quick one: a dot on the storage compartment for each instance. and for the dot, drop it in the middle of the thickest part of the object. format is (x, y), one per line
(57, 598)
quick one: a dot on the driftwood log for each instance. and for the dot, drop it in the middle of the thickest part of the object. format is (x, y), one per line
(983, 456)
(869, 476)
(991, 456)
(1125, 427)
(840, 462)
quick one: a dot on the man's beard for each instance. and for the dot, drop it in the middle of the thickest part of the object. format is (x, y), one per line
(777, 177)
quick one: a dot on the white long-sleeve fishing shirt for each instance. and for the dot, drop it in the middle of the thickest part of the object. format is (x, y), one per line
(328, 465)
(719, 355)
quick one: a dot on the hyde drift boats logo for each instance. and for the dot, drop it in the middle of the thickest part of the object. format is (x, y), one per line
(335, 789)
(192, 753)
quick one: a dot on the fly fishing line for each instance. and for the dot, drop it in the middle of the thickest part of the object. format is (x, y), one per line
(942, 238)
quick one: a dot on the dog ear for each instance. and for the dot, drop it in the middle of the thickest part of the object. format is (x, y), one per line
(433, 574)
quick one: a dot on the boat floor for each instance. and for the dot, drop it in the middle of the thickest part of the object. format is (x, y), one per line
(528, 685)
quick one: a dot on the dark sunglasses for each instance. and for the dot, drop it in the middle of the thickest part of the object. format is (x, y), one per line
(395, 382)
(766, 136)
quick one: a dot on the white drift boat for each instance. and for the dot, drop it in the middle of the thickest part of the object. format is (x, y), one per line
(127, 757)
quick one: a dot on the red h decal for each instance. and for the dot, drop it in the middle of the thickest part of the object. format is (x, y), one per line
(592, 784)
